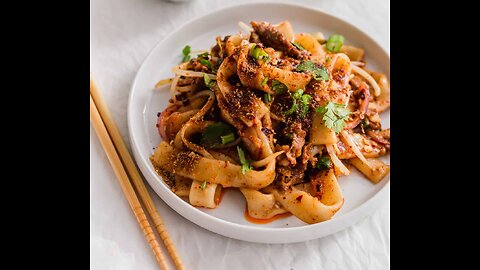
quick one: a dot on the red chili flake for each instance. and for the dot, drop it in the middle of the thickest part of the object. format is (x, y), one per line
(299, 198)
(156, 125)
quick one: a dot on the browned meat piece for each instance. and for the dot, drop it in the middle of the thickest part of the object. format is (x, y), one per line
(367, 146)
(288, 176)
(271, 37)
(373, 120)
(382, 137)
(298, 141)
(356, 81)
(220, 52)
(362, 94)
(317, 178)
(254, 38)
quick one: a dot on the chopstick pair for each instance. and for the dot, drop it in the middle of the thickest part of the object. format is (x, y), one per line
(117, 153)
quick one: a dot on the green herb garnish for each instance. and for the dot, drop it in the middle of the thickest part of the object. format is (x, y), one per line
(278, 87)
(210, 83)
(203, 55)
(298, 46)
(300, 102)
(327, 59)
(334, 43)
(267, 97)
(245, 163)
(207, 63)
(324, 163)
(318, 73)
(204, 184)
(364, 123)
(259, 53)
(203, 59)
(211, 135)
(228, 138)
(186, 53)
(334, 115)
(264, 81)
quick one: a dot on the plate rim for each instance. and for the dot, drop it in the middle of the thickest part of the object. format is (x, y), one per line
(358, 213)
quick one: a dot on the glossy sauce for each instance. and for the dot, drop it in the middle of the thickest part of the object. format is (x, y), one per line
(219, 199)
(264, 221)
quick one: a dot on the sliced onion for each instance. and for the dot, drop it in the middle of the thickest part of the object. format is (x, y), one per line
(200, 51)
(265, 161)
(358, 63)
(187, 88)
(245, 26)
(203, 93)
(369, 78)
(189, 73)
(336, 161)
(163, 82)
(275, 117)
(173, 87)
(354, 147)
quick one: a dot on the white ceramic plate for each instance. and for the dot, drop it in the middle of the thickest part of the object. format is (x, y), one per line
(361, 196)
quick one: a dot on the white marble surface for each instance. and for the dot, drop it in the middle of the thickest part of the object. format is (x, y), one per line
(122, 34)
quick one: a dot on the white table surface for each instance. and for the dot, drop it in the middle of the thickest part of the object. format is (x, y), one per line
(122, 34)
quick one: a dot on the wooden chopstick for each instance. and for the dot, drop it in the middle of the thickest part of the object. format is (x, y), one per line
(125, 183)
(134, 174)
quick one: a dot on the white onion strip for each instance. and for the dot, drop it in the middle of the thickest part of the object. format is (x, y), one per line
(203, 93)
(369, 78)
(188, 73)
(265, 161)
(358, 63)
(163, 82)
(200, 51)
(275, 117)
(245, 26)
(173, 88)
(187, 88)
(354, 147)
(336, 161)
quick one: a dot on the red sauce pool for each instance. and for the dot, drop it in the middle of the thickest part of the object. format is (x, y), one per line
(264, 221)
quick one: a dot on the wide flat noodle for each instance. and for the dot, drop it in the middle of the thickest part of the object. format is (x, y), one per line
(207, 197)
(260, 205)
(308, 208)
(193, 166)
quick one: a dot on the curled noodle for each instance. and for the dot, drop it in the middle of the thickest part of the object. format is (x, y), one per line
(247, 125)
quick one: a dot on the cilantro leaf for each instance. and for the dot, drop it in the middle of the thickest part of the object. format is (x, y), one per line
(334, 116)
(318, 73)
(204, 184)
(207, 63)
(300, 103)
(323, 163)
(186, 53)
(211, 135)
(278, 87)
